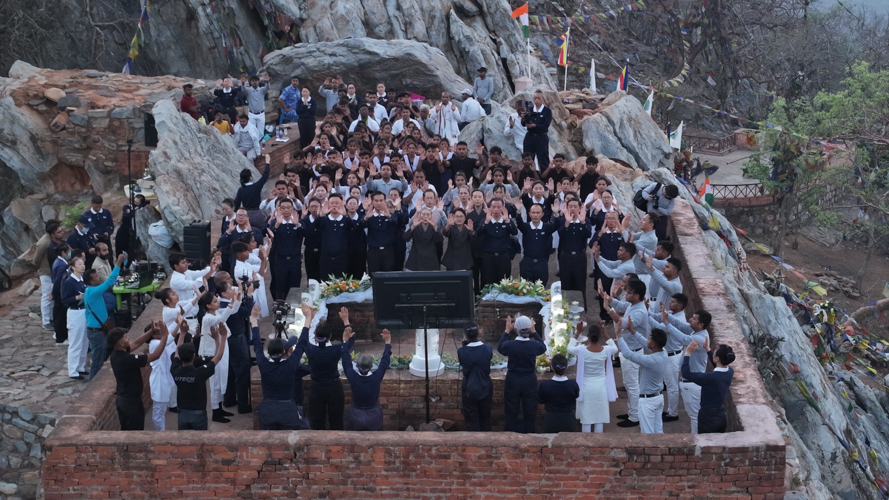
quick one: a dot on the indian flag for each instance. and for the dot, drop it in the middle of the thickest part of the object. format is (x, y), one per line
(649, 103)
(706, 192)
(522, 14)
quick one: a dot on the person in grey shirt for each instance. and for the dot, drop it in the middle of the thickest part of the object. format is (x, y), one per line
(329, 90)
(661, 204)
(386, 182)
(651, 377)
(647, 237)
(256, 93)
(695, 329)
(634, 313)
(676, 308)
(483, 89)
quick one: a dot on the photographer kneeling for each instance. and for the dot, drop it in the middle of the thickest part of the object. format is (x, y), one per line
(278, 410)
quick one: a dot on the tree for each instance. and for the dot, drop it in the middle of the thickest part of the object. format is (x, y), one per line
(847, 191)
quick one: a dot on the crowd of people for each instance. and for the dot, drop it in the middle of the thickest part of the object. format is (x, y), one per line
(384, 184)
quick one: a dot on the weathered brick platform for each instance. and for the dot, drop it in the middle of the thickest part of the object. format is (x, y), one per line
(85, 460)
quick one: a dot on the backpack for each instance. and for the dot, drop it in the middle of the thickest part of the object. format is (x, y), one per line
(478, 386)
(640, 201)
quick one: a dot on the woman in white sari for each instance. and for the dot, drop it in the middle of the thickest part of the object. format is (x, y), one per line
(595, 376)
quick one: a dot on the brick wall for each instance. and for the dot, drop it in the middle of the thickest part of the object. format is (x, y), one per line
(83, 461)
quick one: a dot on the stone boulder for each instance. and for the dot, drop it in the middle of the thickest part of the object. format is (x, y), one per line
(402, 64)
(196, 168)
(623, 130)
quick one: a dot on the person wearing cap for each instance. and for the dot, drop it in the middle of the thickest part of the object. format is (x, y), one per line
(326, 397)
(82, 238)
(365, 119)
(365, 413)
(471, 110)
(520, 387)
(483, 89)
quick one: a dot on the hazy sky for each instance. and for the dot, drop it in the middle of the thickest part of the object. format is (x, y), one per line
(881, 6)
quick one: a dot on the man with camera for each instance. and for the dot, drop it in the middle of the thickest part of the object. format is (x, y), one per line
(537, 120)
(238, 387)
(661, 203)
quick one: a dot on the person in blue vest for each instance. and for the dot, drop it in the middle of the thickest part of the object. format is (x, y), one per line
(537, 120)
(365, 413)
(97, 312)
(574, 232)
(381, 222)
(520, 387)
(59, 312)
(335, 228)
(477, 390)
(559, 398)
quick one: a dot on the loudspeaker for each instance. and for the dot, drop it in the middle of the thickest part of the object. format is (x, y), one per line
(150, 131)
(196, 241)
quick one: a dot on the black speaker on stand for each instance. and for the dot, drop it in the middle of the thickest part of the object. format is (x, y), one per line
(150, 131)
(196, 241)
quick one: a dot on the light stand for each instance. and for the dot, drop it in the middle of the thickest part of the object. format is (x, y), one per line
(426, 359)
(132, 238)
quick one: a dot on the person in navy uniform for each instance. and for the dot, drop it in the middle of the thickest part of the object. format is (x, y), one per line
(608, 240)
(520, 387)
(83, 239)
(537, 243)
(287, 242)
(475, 361)
(238, 228)
(380, 223)
(559, 398)
(312, 240)
(497, 230)
(537, 121)
(101, 218)
(335, 228)
(574, 231)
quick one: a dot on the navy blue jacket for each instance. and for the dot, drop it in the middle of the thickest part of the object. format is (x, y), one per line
(237, 323)
(380, 229)
(497, 236)
(335, 234)
(71, 288)
(288, 240)
(306, 112)
(540, 120)
(574, 237)
(81, 241)
(609, 243)
(277, 377)
(103, 221)
(537, 243)
(558, 396)
(322, 360)
(522, 354)
(365, 390)
(475, 357)
(59, 269)
(250, 196)
(311, 234)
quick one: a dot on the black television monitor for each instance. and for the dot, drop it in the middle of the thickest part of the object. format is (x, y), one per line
(400, 297)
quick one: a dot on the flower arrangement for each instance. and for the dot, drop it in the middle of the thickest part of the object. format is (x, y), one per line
(562, 324)
(520, 287)
(338, 286)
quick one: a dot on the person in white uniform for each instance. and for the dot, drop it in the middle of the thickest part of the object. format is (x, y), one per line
(210, 315)
(595, 376)
(186, 283)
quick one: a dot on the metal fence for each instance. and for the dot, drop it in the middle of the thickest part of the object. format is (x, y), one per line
(737, 190)
(714, 145)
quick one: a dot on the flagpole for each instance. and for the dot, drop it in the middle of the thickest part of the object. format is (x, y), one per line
(528, 41)
(567, 39)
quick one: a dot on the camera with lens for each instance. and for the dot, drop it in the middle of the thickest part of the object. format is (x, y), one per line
(280, 310)
(246, 281)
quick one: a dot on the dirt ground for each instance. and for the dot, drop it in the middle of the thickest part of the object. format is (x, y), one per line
(810, 257)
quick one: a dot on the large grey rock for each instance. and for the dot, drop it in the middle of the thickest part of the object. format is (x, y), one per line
(154, 251)
(196, 168)
(367, 61)
(623, 130)
(26, 149)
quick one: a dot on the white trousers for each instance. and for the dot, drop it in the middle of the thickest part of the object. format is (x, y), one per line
(250, 153)
(671, 380)
(46, 299)
(691, 396)
(219, 380)
(77, 342)
(159, 415)
(650, 410)
(630, 373)
(258, 121)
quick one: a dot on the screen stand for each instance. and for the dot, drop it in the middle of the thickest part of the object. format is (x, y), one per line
(424, 364)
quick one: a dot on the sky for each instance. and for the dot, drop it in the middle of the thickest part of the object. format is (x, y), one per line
(881, 6)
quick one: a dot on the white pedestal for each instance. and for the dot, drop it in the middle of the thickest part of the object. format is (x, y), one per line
(418, 363)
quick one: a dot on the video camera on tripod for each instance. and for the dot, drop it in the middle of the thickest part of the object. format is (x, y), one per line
(280, 310)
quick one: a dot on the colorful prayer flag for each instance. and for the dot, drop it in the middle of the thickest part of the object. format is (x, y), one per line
(676, 137)
(563, 48)
(623, 81)
(522, 14)
(706, 192)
